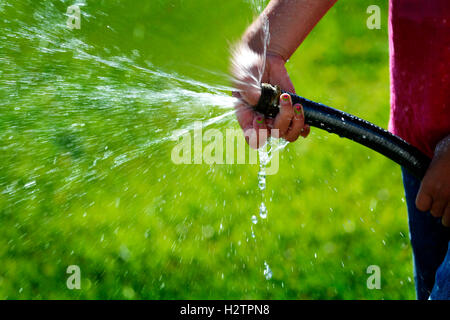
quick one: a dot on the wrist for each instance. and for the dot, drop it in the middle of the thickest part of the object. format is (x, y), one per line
(276, 56)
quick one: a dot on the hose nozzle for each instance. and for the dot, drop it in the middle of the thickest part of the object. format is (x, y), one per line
(268, 103)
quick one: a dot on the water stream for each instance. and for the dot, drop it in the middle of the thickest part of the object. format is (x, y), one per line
(81, 119)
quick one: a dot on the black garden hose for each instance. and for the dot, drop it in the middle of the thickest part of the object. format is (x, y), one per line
(351, 127)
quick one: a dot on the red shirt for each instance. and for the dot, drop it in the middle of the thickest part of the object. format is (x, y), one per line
(419, 33)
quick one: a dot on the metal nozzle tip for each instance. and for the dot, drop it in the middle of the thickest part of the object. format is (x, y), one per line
(268, 102)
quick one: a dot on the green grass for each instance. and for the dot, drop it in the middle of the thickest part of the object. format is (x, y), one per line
(149, 229)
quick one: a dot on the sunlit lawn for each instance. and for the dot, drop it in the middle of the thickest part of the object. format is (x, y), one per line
(150, 229)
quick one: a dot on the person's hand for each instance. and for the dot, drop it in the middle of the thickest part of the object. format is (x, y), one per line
(434, 192)
(290, 121)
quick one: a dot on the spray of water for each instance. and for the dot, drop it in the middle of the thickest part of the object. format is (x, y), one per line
(248, 68)
(257, 5)
(78, 121)
(60, 88)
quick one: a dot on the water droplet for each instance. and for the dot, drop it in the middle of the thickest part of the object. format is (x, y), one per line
(263, 211)
(267, 271)
(29, 184)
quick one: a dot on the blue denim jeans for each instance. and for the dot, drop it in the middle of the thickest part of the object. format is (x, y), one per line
(430, 245)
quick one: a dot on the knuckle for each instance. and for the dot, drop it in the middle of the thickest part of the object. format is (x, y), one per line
(290, 139)
(292, 136)
(287, 113)
(305, 133)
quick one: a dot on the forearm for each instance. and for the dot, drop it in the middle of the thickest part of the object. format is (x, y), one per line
(290, 21)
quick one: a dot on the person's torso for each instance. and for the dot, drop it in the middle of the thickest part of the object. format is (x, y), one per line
(420, 71)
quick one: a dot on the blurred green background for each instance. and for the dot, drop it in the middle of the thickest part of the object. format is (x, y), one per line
(86, 176)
